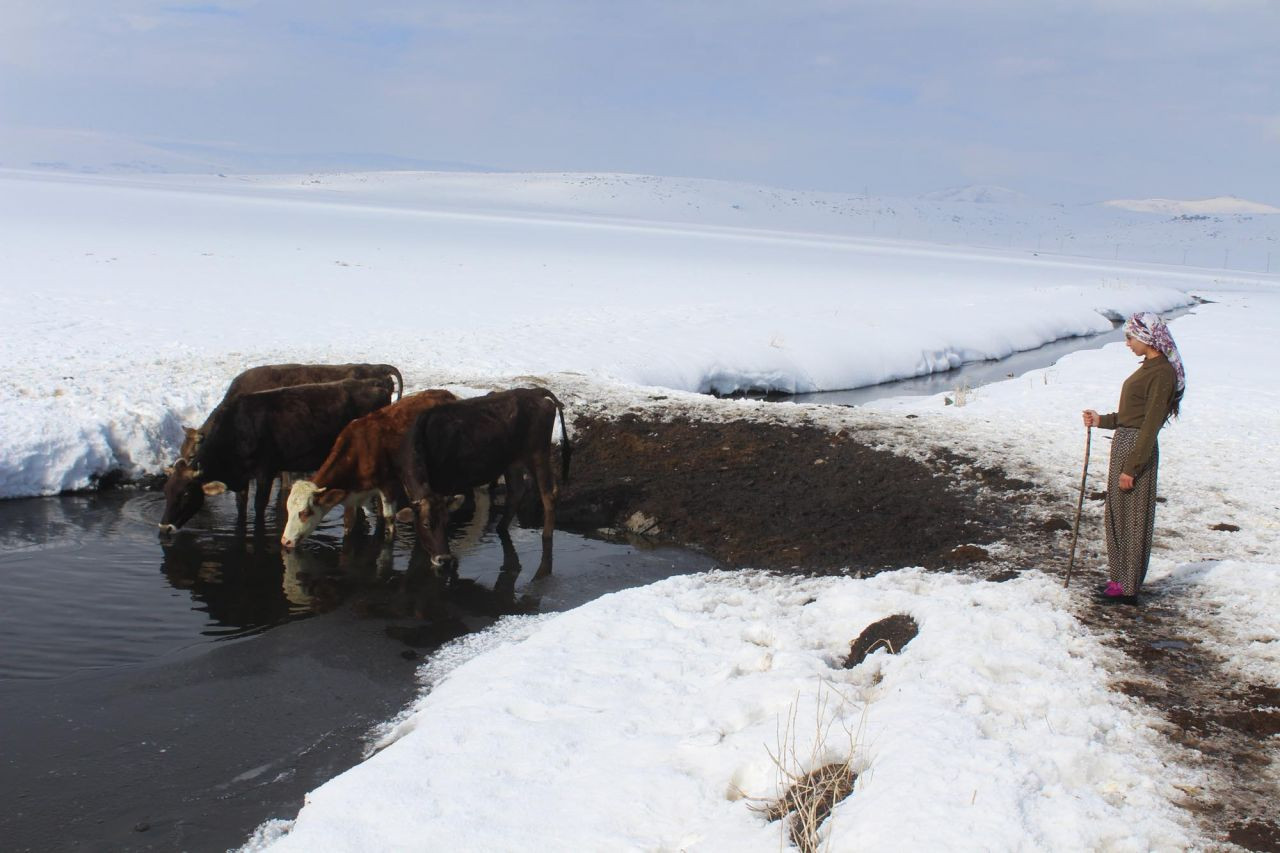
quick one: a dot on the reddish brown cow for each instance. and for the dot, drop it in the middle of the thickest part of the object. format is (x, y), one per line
(458, 446)
(364, 462)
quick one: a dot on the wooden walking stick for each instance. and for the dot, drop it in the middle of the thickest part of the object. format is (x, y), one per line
(1075, 534)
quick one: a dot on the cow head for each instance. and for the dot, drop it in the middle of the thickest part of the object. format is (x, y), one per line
(190, 443)
(307, 505)
(432, 517)
(184, 493)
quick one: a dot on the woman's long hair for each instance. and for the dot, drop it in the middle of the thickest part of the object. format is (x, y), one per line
(1176, 405)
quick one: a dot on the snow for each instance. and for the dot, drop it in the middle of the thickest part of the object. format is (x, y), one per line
(1221, 204)
(977, 194)
(646, 719)
(153, 292)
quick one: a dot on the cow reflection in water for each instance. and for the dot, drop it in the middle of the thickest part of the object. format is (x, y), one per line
(319, 581)
(247, 584)
(236, 580)
(446, 605)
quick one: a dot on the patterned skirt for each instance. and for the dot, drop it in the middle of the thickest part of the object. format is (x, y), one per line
(1131, 515)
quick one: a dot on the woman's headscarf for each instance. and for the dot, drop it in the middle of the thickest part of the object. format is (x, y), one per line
(1153, 332)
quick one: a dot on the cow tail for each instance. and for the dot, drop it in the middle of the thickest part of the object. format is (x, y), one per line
(395, 371)
(566, 450)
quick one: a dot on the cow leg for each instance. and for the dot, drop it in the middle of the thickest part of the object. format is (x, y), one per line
(514, 494)
(262, 495)
(504, 590)
(388, 519)
(286, 483)
(547, 490)
(242, 506)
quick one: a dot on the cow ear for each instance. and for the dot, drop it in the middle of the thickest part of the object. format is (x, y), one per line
(217, 487)
(330, 498)
(168, 471)
(190, 432)
(405, 514)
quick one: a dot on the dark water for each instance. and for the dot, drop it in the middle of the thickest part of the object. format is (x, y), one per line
(174, 696)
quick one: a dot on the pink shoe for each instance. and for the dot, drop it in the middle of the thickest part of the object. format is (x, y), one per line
(1113, 590)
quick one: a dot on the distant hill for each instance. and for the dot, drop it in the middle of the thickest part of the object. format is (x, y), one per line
(1220, 241)
(89, 152)
(1226, 233)
(978, 194)
(1204, 207)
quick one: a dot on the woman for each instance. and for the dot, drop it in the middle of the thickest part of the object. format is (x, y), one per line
(1148, 398)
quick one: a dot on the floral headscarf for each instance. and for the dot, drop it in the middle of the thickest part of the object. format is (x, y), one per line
(1153, 332)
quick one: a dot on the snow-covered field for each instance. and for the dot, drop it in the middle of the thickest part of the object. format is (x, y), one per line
(129, 303)
(645, 720)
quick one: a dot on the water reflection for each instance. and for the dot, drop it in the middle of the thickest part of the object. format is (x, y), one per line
(236, 580)
(246, 583)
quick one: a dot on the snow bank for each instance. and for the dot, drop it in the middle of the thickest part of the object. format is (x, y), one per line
(645, 720)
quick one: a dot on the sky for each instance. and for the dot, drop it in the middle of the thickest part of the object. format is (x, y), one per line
(1065, 101)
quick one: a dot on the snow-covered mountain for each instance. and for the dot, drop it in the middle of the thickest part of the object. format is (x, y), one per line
(1221, 205)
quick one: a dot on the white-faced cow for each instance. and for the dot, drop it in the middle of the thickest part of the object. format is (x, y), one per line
(459, 446)
(267, 377)
(256, 436)
(365, 461)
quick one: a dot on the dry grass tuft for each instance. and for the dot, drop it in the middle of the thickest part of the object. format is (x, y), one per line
(808, 796)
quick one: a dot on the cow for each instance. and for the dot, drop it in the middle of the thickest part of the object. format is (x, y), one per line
(258, 435)
(270, 376)
(456, 447)
(365, 460)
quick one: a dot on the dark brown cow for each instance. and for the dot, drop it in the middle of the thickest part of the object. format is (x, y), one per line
(256, 436)
(365, 461)
(270, 376)
(458, 446)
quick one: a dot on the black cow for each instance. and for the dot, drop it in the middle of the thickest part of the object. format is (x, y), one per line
(269, 376)
(256, 436)
(455, 447)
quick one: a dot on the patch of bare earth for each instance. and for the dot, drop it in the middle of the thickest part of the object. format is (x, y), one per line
(800, 497)
(1228, 728)
(780, 496)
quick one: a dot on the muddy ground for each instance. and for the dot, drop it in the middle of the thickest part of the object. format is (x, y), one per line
(785, 496)
(782, 497)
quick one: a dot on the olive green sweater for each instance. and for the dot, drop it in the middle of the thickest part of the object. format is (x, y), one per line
(1145, 400)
